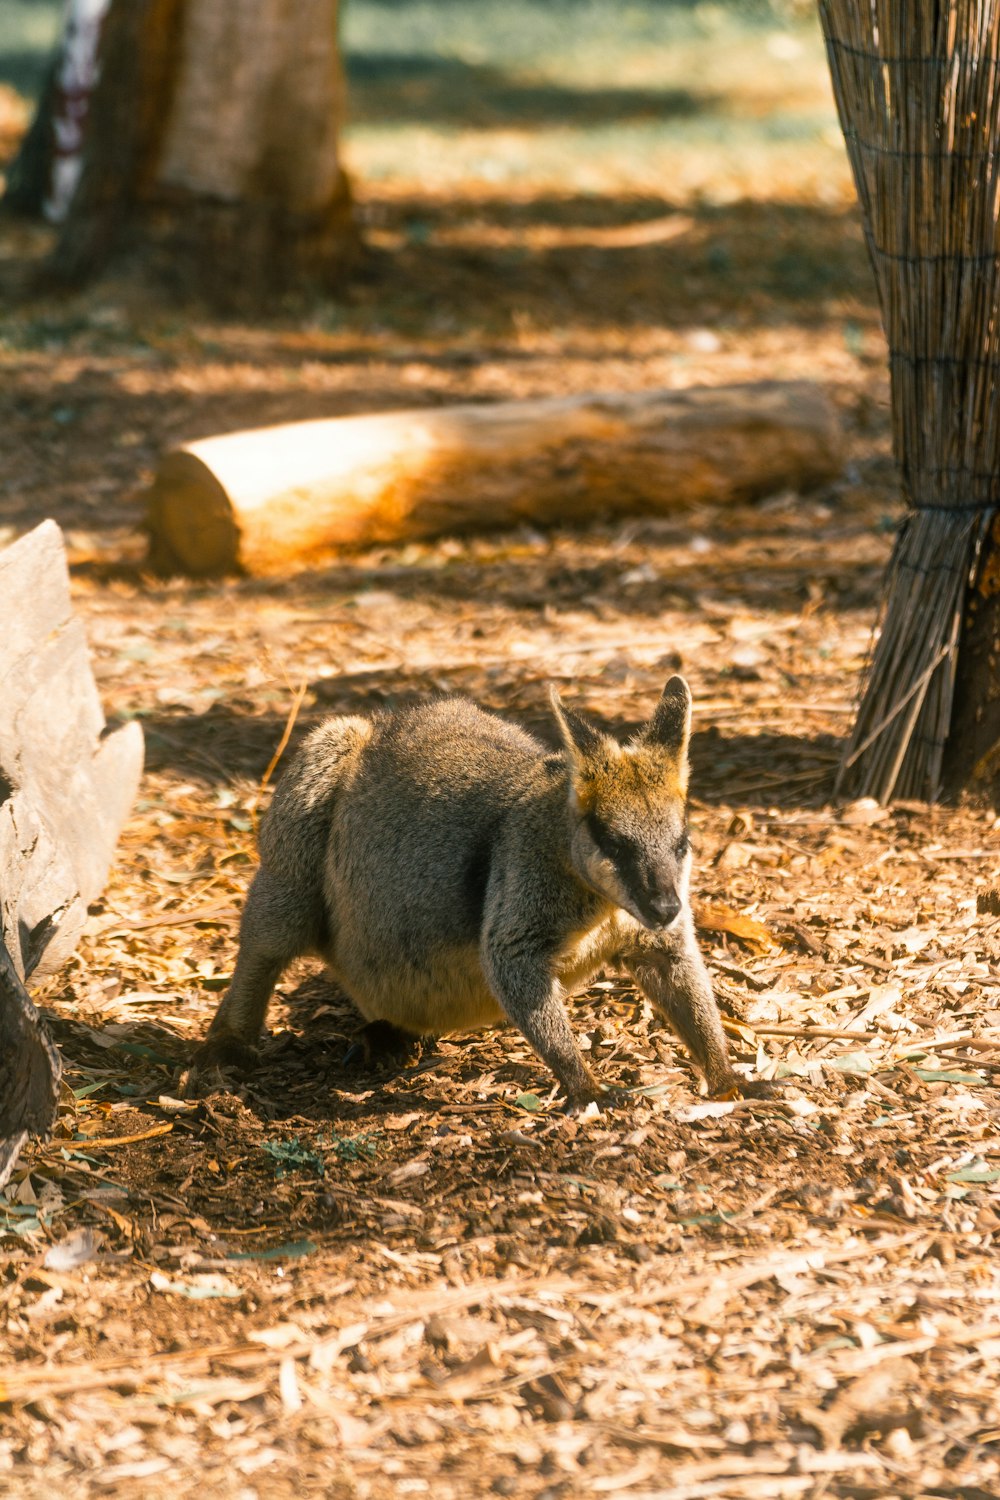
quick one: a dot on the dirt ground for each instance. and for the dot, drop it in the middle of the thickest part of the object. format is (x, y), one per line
(363, 1285)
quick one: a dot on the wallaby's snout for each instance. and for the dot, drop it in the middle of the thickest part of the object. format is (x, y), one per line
(658, 888)
(660, 909)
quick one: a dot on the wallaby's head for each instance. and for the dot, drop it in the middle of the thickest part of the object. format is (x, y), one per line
(628, 805)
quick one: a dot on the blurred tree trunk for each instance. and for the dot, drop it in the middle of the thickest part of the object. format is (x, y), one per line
(45, 173)
(212, 147)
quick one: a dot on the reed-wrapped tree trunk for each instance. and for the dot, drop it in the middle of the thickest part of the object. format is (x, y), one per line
(918, 91)
(212, 147)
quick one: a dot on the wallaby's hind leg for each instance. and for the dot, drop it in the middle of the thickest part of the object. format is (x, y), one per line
(672, 975)
(274, 930)
(380, 1044)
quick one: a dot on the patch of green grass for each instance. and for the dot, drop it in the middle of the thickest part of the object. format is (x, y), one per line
(687, 100)
(299, 1156)
(28, 33)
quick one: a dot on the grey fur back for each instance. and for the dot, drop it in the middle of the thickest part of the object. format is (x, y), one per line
(412, 844)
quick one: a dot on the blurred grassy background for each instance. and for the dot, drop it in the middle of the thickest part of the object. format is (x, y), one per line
(589, 96)
(685, 100)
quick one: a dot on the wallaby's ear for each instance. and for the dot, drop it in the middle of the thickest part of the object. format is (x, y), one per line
(670, 726)
(583, 740)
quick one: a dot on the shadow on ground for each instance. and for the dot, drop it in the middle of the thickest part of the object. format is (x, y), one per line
(765, 769)
(430, 88)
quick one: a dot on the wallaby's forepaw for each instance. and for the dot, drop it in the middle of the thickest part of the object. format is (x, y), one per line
(218, 1055)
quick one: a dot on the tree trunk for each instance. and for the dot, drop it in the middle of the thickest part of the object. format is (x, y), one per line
(973, 749)
(212, 147)
(286, 497)
(30, 1069)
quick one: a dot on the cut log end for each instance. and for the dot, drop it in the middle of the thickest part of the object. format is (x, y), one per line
(190, 520)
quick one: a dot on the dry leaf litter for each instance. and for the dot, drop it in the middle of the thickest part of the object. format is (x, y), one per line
(435, 1283)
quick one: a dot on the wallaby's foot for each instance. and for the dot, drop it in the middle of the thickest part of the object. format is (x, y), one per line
(761, 1088)
(224, 1053)
(380, 1045)
(730, 1084)
(228, 1052)
(605, 1096)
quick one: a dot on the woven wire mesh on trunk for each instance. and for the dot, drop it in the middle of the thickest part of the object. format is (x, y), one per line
(918, 92)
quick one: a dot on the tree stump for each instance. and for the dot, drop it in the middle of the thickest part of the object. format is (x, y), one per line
(66, 787)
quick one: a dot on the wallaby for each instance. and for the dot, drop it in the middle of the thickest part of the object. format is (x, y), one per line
(453, 873)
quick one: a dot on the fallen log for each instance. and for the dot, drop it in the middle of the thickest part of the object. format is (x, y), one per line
(66, 787)
(278, 498)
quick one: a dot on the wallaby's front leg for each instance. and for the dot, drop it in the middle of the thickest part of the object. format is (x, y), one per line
(532, 999)
(671, 973)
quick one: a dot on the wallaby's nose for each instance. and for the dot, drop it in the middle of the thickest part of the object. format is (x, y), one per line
(665, 907)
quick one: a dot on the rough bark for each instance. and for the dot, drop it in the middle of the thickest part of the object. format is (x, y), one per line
(213, 147)
(30, 1069)
(286, 497)
(65, 785)
(972, 752)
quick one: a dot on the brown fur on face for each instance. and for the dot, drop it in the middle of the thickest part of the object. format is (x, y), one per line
(636, 774)
(658, 753)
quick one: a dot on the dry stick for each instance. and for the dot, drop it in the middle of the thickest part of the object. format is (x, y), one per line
(219, 912)
(106, 1142)
(279, 752)
(897, 709)
(831, 1032)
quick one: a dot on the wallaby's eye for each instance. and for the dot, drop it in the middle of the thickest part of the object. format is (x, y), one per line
(684, 845)
(607, 841)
